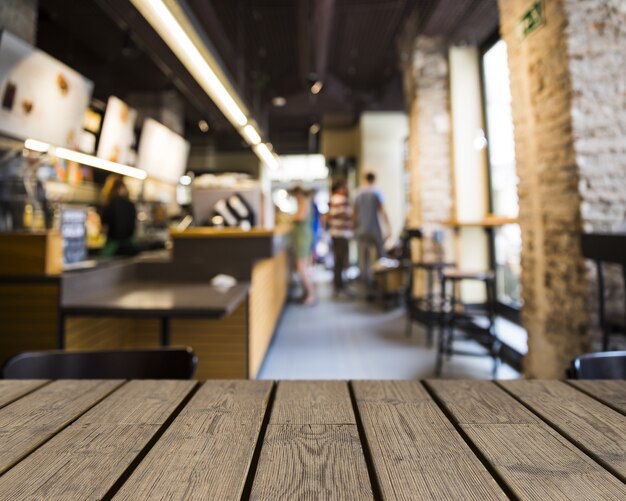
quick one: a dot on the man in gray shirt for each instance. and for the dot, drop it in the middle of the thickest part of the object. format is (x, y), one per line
(368, 206)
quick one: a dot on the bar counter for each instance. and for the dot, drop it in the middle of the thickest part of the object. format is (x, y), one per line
(159, 298)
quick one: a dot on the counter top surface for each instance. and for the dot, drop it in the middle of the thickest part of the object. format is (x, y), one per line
(146, 297)
(313, 440)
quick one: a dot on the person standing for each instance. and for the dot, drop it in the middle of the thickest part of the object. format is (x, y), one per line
(119, 216)
(341, 232)
(368, 209)
(302, 241)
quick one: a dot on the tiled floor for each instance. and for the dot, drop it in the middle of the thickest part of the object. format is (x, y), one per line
(352, 339)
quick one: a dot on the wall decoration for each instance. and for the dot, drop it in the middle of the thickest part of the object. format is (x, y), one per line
(162, 153)
(41, 97)
(118, 132)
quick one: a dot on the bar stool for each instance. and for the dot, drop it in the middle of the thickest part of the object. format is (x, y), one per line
(462, 322)
(427, 308)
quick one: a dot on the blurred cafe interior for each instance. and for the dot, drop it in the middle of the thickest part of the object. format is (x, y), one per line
(205, 173)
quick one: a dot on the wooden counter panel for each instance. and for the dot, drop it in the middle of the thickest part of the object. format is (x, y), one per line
(28, 316)
(221, 344)
(267, 298)
(96, 333)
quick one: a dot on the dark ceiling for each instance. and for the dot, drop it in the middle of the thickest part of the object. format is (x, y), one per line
(269, 48)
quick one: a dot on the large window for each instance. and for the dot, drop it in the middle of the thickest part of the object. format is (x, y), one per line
(507, 242)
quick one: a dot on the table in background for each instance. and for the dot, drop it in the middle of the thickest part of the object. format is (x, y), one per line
(313, 440)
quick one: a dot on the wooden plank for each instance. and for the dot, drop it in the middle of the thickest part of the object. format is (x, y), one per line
(11, 390)
(415, 449)
(207, 451)
(86, 459)
(27, 423)
(593, 426)
(611, 392)
(312, 448)
(534, 460)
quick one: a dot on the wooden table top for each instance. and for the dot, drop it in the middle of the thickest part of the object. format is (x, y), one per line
(148, 297)
(439, 439)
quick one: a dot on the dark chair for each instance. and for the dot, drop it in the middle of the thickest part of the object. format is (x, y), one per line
(158, 363)
(602, 365)
(460, 321)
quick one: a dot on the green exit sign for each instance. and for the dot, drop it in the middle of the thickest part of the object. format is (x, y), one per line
(532, 19)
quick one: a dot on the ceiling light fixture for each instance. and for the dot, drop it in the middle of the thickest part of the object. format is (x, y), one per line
(279, 101)
(83, 158)
(314, 129)
(251, 136)
(169, 28)
(100, 163)
(33, 144)
(266, 155)
(317, 87)
(203, 126)
(169, 20)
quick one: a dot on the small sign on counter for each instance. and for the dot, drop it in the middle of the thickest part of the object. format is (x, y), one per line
(74, 234)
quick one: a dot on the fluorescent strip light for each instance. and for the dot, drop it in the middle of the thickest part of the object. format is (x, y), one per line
(33, 144)
(263, 152)
(251, 135)
(100, 163)
(170, 30)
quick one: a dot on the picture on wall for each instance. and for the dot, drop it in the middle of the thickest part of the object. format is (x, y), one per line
(118, 132)
(41, 97)
(162, 153)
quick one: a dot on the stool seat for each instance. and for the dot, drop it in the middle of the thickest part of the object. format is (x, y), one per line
(433, 265)
(459, 321)
(457, 274)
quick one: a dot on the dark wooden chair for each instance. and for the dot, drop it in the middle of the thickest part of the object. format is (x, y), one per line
(601, 365)
(158, 363)
(460, 321)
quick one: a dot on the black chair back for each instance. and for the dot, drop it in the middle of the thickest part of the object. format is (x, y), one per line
(158, 363)
(602, 365)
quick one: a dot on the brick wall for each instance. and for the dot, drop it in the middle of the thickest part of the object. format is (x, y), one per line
(554, 280)
(569, 110)
(20, 18)
(429, 140)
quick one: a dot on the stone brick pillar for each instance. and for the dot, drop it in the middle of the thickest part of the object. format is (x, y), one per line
(568, 96)
(429, 156)
(20, 18)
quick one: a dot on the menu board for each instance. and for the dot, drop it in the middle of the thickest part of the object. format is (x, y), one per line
(40, 97)
(162, 153)
(74, 234)
(118, 132)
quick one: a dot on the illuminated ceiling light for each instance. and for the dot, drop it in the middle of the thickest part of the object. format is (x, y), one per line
(251, 135)
(314, 129)
(263, 152)
(317, 87)
(100, 163)
(279, 101)
(171, 31)
(203, 125)
(185, 180)
(33, 144)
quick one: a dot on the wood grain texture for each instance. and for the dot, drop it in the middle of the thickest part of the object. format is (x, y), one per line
(33, 419)
(207, 451)
(11, 390)
(268, 293)
(28, 316)
(85, 459)
(534, 460)
(593, 426)
(26, 253)
(612, 393)
(312, 448)
(417, 453)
